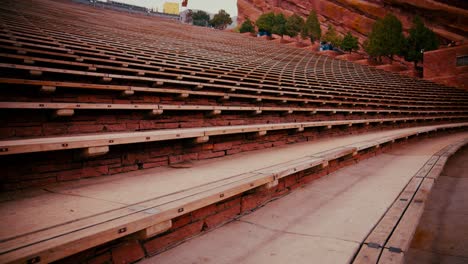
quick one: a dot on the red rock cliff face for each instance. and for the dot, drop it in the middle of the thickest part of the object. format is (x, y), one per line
(449, 19)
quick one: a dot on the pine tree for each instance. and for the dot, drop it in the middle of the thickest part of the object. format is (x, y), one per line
(265, 22)
(279, 26)
(332, 37)
(349, 43)
(294, 25)
(247, 26)
(420, 39)
(312, 27)
(386, 38)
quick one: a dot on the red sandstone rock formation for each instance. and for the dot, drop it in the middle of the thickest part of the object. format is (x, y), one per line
(449, 21)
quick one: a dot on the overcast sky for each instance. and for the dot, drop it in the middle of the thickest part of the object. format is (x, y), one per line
(211, 6)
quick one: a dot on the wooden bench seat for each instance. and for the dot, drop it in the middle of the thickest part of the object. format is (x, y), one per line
(36, 39)
(123, 88)
(103, 140)
(162, 107)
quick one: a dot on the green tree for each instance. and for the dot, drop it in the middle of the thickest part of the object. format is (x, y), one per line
(265, 22)
(332, 37)
(294, 25)
(420, 39)
(386, 38)
(247, 26)
(200, 18)
(221, 20)
(279, 25)
(349, 43)
(312, 27)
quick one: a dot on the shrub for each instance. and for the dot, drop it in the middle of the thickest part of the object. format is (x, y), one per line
(294, 25)
(332, 37)
(349, 43)
(247, 26)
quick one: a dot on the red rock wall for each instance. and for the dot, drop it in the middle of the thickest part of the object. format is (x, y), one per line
(449, 22)
(440, 66)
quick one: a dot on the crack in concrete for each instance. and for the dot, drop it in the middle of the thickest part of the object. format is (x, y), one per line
(83, 196)
(294, 233)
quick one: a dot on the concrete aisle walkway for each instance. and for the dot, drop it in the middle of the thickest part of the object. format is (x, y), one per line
(324, 222)
(442, 234)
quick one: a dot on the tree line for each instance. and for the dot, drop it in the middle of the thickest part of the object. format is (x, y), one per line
(385, 40)
(295, 26)
(201, 18)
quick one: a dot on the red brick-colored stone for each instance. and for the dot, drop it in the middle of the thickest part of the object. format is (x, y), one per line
(233, 151)
(203, 212)
(28, 131)
(84, 128)
(54, 128)
(222, 146)
(155, 162)
(251, 146)
(115, 127)
(107, 161)
(289, 180)
(184, 157)
(101, 259)
(210, 154)
(228, 203)
(128, 252)
(223, 216)
(181, 221)
(252, 201)
(160, 243)
(123, 169)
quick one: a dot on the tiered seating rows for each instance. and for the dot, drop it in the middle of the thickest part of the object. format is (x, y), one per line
(327, 78)
(158, 109)
(98, 144)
